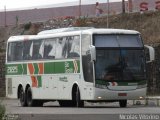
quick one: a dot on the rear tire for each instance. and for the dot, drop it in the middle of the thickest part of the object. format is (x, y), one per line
(29, 97)
(30, 101)
(22, 97)
(123, 103)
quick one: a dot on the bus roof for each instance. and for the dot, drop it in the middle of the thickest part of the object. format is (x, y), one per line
(111, 31)
(71, 31)
(90, 30)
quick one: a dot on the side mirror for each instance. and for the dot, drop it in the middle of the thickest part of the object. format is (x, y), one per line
(150, 53)
(93, 53)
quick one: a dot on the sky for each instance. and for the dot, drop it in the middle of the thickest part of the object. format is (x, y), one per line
(21, 4)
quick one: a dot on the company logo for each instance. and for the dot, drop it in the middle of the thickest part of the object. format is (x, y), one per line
(64, 79)
(12, 69)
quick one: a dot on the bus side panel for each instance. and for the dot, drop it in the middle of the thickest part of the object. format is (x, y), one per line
(87, 91)
(59, 87)
(48, 88)
(12, 83)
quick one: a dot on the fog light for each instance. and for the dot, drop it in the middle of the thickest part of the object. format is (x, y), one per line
(99, 97)
(141, 97)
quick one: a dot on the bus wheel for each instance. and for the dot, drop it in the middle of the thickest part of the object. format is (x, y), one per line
(79, 102)
(22, 97)
(30, 101)
(123, 103)
(29, 97)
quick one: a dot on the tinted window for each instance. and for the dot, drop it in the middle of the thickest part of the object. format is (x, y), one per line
(86, 62)
(106, 41)
(74, 47)
(27, 50)
(36, 49)
(117, 41)
(113, 65)
(15, 51)
(129, 41)
(52, 48)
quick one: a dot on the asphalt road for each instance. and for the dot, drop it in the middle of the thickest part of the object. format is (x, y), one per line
(91, 111)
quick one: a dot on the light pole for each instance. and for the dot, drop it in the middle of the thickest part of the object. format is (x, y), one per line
(5, 17)
(79, 8)
(107, 13)
(123, 6)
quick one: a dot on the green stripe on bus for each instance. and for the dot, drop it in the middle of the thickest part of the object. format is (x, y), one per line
(36, 69)
(49, 68)
(24, 69)
(39, 78)
(59, 67)
(14, 69)
(78, 63)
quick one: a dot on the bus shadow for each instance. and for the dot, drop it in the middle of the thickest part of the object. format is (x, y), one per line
(99, 106)
(87, 105)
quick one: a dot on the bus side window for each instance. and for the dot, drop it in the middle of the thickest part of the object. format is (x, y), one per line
(41, 49)
(49, 49)
(74, 47)
(26, 50)
(36, 47)
(18, 51)
(60, 45)
(11, 50)
(86, 62)
(15, 51)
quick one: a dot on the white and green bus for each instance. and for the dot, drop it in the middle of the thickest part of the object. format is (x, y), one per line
(73, 65)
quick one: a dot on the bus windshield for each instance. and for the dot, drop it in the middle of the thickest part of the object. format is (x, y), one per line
(116, 65)
(119, 58)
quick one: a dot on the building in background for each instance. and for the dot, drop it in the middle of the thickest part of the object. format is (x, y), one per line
(43, 14)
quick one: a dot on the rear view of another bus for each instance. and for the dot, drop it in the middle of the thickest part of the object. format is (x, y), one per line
(119, 65)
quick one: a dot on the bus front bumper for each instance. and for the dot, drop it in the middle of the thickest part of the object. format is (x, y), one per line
(105, 94)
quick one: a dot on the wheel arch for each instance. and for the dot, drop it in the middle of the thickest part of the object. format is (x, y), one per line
(74, 89)
(76, 96)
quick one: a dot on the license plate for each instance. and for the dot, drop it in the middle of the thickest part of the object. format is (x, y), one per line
(122, 94)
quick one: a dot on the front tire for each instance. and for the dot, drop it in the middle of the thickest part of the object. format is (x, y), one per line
(79, 102)
(123, 103)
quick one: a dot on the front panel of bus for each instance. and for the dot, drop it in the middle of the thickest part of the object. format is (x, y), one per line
(119, 66)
